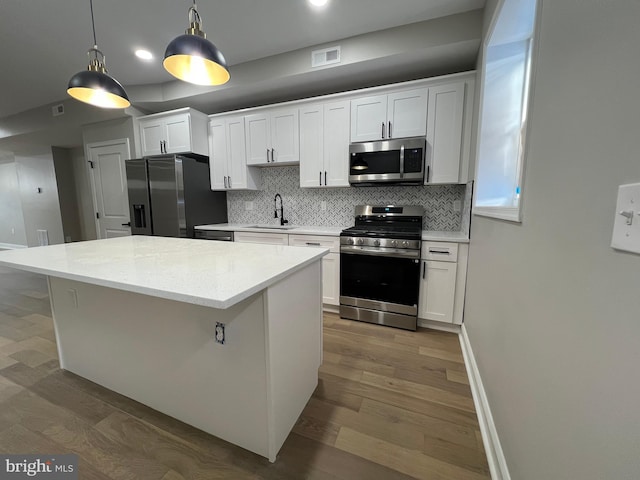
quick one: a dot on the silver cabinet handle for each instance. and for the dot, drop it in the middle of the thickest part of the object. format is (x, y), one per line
(424, 269)
(382, 129)
(325, 178)
(389, 129)
(313, 244)
(267, 155)
(229, 180)
(273, 155)
(320, 179)
(440, 252)
(225, 181)
(427, 176)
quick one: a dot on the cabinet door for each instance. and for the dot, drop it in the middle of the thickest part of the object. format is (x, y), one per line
(236, 154)
(285, 136)
(444, 132)
(178, 133)
(331, 279)
(311, 146)
(407, 114)
(437, 291)
(336, 144)
(258, 143)
(368, 118)
(218, 154)
(151, 137)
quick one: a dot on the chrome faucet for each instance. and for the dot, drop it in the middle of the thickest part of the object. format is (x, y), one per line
(275, 206)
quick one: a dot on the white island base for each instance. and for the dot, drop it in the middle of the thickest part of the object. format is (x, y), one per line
(248, 391)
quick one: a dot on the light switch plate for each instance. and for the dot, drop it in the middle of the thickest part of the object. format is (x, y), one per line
(626, 226)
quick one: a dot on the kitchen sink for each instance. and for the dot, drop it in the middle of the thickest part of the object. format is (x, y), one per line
(273, 227)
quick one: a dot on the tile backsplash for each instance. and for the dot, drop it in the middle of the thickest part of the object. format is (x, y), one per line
(303, 206)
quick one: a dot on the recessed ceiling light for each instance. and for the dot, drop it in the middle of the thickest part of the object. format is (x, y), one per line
(318, 3)
(144, 54)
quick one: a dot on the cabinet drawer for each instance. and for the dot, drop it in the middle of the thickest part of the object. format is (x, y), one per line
(267, 238)
(440, 251)
(332, 243)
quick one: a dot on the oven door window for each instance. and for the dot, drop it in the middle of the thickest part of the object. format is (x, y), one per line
(375, 163)
(385, 279)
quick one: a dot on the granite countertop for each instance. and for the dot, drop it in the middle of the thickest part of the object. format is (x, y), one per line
(432, 235)
(212, 274)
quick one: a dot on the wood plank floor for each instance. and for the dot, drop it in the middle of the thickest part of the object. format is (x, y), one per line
(389, 404)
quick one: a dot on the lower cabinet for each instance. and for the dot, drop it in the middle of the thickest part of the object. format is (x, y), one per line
(442, 284)
(330, 264)
(264, 238)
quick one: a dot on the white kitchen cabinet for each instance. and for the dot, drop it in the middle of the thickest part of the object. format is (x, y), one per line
(178, 131)
(395, 115)
(330, 264)
(266, 238)
(442, 285)
(227, 156)
(272, 137)
(324, 145)
(445, 133)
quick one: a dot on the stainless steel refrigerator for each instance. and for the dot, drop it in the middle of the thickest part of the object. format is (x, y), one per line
(170, 194)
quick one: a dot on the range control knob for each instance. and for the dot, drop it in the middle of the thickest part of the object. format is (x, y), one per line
(350, 241)
(394, 243)
(360, 241)
(376, 243)
(405, 243)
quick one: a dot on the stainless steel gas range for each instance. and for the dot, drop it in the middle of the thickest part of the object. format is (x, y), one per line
(380, 266)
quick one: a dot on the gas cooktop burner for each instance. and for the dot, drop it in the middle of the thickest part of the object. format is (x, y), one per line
(389, 221)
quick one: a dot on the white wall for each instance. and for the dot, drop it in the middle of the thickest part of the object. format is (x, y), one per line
(41, 211)
(11, 223)
(552, 312)
(83, 195)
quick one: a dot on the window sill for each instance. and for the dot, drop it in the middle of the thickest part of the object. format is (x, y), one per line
(510, 214)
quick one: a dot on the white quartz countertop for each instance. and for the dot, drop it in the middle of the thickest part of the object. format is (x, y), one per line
(290, 230)
(212, 274)
(439, 236)
(431, 235)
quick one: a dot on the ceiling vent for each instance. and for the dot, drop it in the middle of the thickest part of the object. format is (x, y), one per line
(326, 56)
(57, 110)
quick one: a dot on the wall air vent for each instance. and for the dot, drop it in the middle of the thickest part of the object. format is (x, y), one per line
(57, 110)
(325, 56)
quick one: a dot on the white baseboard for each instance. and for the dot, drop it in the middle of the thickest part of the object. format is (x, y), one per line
(10, 246)
(330, 308)
(495, 455)
(444, 327)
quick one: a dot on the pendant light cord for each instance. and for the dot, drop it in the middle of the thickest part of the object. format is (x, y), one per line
(93, 24)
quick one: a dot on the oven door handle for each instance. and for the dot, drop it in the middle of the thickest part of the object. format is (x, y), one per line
(393, 253)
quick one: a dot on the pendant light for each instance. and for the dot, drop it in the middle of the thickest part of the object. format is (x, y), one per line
(94, 85)
(194, 59)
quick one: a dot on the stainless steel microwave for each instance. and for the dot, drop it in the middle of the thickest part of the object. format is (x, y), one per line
(399, 161)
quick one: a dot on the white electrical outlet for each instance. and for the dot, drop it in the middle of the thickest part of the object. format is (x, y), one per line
(457, 206)
(73, 296)
(323, 206)
(248, 206)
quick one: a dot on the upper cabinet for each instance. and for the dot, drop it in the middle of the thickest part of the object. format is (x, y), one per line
(272, 137)
(178, 131)
(324, 145)
(395, 115)
(227, 155)
(445, 142)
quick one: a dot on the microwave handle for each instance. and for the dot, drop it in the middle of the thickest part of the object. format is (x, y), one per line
(401, 160)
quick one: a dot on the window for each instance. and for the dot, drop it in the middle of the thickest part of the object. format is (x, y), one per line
(506, 73)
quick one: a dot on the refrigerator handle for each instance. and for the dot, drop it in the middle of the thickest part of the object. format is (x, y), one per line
(139, 218)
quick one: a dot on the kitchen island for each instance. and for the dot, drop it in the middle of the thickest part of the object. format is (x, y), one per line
(223, 336)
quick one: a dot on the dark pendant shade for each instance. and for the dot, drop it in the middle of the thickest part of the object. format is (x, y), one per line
(99, 89)
(194, 59)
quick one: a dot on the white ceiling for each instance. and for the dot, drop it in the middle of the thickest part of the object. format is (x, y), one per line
(44, 42)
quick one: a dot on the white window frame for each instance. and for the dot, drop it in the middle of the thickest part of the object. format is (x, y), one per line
(501, 212)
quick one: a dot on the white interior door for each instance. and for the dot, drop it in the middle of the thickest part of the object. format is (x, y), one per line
(109, 183)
